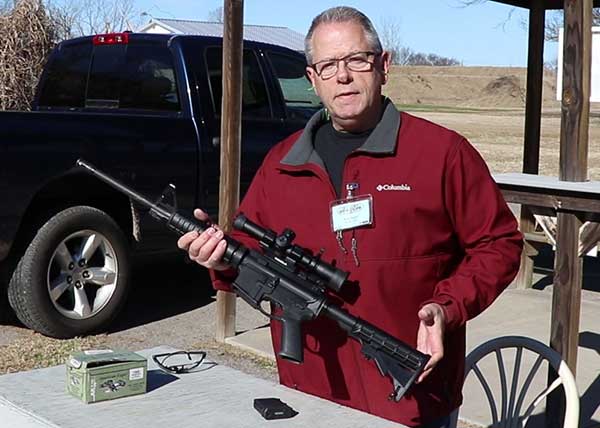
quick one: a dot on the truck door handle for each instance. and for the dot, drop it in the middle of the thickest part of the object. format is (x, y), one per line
(216, 142)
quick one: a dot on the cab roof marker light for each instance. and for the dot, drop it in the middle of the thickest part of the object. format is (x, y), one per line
(111, 39)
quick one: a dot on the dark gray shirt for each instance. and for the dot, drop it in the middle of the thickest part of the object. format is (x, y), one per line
(333, 147)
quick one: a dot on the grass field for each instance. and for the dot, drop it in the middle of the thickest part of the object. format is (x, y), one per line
(486, 105)
(498, 136)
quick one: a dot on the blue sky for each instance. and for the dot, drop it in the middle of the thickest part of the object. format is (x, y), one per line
(484, 34)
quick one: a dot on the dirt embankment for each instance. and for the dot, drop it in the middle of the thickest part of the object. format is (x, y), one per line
(478, 87)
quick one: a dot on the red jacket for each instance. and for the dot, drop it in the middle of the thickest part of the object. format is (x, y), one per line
(441, 233)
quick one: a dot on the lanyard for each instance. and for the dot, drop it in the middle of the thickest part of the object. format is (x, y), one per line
(350, 188)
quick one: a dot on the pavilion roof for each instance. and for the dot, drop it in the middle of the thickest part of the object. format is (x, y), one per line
(549, 4)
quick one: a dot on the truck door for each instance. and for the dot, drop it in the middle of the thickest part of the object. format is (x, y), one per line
(261, 128)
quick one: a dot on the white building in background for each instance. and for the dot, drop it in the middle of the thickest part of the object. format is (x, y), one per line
(595, 78)
(281, 36)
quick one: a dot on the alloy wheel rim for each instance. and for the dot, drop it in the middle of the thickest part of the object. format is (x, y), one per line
(82, 274)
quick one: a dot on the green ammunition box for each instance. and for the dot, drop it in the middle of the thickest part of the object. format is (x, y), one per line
(99, 375)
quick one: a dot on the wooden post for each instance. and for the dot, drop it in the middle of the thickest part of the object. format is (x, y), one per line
(568, 265)
(566, 299)
(535, 80)
(231, 114)
(533, 115)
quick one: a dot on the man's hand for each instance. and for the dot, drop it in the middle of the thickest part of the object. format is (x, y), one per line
(430, 337)
(206, 248)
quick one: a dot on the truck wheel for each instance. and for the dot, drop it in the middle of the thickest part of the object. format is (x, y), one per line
(74, 277)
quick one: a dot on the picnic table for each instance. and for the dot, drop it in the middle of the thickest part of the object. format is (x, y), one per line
(545, 197)
(576, 231)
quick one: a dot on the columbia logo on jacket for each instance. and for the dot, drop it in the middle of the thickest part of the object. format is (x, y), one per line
(398, 187)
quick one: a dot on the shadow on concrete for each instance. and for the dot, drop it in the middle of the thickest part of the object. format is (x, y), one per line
(157, 379)
(544, 265)
(164, 287)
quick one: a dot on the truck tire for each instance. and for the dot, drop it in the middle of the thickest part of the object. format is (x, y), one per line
(74, 276)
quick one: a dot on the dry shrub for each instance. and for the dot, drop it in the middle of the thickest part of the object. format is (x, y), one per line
(506, 85)
(26, 37)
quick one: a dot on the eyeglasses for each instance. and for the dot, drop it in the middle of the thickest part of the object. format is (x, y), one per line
(180, 361)
(358, 61)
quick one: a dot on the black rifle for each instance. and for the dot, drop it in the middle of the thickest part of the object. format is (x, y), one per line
(291, 278)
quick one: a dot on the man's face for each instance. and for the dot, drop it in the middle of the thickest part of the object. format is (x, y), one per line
(353, 98)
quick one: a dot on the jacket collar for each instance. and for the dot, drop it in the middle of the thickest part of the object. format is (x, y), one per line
(382, 140)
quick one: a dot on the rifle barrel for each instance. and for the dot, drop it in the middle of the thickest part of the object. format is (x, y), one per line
(121, 187)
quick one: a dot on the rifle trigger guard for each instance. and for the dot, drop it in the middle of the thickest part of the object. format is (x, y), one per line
(265, 313)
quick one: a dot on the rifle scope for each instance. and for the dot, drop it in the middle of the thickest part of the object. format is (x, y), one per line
(282, 244)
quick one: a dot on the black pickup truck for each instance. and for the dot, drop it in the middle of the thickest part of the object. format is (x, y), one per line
(144, 108)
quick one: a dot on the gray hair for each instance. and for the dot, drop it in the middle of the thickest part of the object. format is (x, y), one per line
(342, 14)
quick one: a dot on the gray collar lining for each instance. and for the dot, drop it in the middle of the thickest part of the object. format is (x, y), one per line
(382, 139)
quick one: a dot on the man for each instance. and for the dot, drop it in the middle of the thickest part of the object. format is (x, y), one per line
(437, 244)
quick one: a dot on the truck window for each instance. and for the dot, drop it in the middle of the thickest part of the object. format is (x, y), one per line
(133, 76)
(66, 76)
(103, 86)
(255, 101)
(298, 94)
(149, 80)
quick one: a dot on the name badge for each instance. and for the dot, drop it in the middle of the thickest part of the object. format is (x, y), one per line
(351, 213)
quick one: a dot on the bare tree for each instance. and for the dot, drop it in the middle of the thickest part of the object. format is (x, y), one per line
(405, 54)
(27, 34)
(420, 58)
(84, 17)
(555, 21)
(216, 15)
(389, 34)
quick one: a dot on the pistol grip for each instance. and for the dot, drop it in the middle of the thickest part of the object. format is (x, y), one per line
(291, 340)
